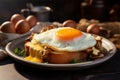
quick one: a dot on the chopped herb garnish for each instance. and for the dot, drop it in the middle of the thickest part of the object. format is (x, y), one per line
(19, 52)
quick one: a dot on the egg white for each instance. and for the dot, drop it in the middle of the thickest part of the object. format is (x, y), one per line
(78, 44)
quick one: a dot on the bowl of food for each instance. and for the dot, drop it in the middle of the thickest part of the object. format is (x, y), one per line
(61, 48)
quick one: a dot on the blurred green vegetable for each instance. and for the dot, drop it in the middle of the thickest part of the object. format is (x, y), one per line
(19, 52)
(74, 61)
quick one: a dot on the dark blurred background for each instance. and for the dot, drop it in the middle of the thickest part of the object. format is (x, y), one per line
(65, 9)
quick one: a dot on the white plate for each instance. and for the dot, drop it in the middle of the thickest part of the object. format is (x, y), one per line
(20, 44)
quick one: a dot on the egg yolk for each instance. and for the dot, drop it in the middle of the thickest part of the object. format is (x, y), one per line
(33, 59)
(68, 33)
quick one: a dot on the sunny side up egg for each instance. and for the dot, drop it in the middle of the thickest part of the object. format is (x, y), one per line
(65, 39)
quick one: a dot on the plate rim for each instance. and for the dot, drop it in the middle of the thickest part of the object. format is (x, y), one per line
(61, 66)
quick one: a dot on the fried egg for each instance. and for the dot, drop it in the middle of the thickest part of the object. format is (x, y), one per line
(65, 39)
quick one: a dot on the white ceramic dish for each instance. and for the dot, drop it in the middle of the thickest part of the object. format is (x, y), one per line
(20, 44)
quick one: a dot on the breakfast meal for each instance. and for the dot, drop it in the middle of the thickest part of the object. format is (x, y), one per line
(62, 45)
(58, 43)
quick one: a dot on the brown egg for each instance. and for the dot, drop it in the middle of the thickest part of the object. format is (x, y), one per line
(69, 23)
(22, 27)
(7, 27)
(32, 20)
(16, 17)
(93, 28)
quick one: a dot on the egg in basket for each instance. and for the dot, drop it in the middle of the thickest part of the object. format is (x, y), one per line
(17, 27)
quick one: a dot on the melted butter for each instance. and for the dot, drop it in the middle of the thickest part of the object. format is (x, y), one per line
(35, 53)
(35, 59)
(28, 58)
